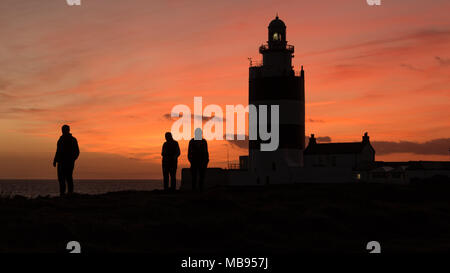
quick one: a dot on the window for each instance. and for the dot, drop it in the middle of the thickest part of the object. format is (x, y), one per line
(276, 36)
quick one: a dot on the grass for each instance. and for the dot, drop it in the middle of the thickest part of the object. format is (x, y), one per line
(323, 218)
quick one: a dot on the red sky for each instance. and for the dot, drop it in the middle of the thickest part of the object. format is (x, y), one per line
(114, 69)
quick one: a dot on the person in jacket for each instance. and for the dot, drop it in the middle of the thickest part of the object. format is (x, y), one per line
(198, 156)
(170, 153)
(67, 152)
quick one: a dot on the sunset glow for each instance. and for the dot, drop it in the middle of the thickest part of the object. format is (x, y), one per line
(113, 70)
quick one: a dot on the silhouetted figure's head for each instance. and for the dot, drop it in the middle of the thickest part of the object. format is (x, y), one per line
(169, 136)
(198, 134)
(365, 138)
(65, 129)
(312, 140)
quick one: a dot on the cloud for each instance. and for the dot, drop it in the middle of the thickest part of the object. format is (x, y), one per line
(426, 35)
(410, 67)
(4, 96)
(22, 113)
(320, 103)
(316, 120)
(320, 139)
(169, 117)
(243, 144)
(90, 165)
(442, 61)
(23, 110)
(438, 146)
(4, 84)
(324, 139)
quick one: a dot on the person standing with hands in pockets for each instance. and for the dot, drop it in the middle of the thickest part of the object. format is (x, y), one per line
(170, 153)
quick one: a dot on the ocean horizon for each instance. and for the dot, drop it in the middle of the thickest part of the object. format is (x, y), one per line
(32, 188)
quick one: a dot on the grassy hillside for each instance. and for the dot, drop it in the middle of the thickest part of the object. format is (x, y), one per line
(272, 219)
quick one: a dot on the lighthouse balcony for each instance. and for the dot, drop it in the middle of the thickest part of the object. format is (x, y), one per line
(276, 47)
(256, 63)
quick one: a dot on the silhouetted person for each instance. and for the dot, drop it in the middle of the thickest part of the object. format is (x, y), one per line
(198, 157)
(66, 153)
(170, 153)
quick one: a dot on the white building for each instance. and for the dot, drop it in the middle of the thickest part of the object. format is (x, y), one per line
(353, 155)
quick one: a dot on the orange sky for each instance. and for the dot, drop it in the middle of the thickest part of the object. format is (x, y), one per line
(114, 69)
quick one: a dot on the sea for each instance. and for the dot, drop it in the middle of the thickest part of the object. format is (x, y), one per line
(50, 187)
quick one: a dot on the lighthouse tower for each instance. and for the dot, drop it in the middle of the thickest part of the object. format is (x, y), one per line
(274, 82)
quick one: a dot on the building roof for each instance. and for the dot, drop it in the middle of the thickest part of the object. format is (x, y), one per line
(277, 23)
(383, 169)
(429, 165)
(335, 148)
(416, 165)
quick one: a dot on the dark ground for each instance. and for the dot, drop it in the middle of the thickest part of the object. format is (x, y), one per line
(273, 219)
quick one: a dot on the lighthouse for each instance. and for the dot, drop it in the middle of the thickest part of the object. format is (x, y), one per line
(275, 82)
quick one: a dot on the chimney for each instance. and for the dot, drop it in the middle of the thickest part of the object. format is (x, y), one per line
(365, 138)
(312, 140)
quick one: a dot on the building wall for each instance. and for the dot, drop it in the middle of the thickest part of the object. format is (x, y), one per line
(213, 177)
(323, 175)
(330, 160)
(421, 174)
(277, 61)
(287, 91)
(401, 177)
(340, 160)
(366, 155)
(274, 167)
